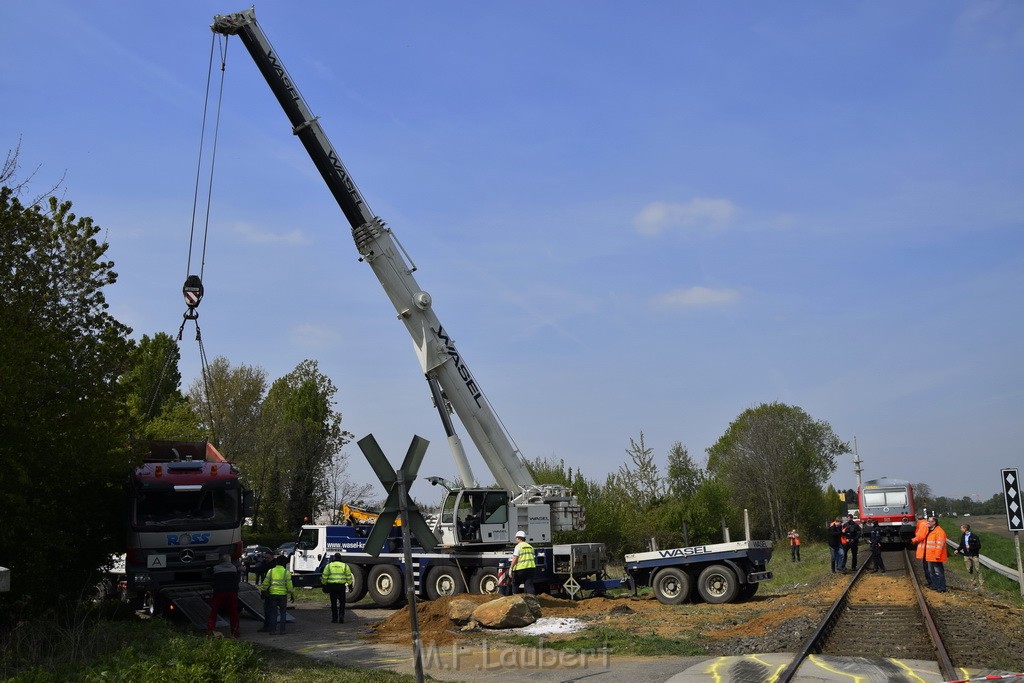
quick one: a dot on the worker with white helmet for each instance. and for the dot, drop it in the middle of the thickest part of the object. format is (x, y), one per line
(522, 565)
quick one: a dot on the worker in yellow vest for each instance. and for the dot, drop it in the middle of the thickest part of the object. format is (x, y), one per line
(336, 579)
(277, 585)
(523, 565)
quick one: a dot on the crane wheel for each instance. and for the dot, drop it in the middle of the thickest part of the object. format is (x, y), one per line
(385, 585)
(443, 581)
(357, 590)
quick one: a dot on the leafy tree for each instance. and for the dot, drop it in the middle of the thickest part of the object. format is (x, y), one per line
(153, 382)
(923, 496)
(62, 416)
(775, 459)
(683, 475)
(306, 433)
(639, 479)
(228, 400)
(710, 507)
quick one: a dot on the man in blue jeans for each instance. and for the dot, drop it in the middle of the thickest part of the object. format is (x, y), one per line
(277, 586)
(835, 544)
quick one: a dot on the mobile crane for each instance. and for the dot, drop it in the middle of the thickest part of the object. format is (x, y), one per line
(475, 521)
(476, 524)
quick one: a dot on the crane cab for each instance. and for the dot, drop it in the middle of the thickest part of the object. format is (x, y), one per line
(475, 516)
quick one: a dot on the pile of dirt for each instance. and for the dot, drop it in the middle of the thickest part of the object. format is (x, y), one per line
(436, 627)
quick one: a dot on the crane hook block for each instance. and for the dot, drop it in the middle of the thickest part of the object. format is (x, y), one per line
(193, 291)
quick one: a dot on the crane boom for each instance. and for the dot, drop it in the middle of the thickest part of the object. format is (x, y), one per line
(441, 361)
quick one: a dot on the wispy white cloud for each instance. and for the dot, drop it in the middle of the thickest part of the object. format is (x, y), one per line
(256, 235)
(696, 297)
(697, 214)
(310, 336)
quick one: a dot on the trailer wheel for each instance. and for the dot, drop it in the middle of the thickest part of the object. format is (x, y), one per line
(671, 586)
(357, 589)
(442, 581)
(385, 585)
(485, 581)
(717, 584)
(748, 590)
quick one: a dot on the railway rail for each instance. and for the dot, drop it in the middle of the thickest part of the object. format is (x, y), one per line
(856, 625)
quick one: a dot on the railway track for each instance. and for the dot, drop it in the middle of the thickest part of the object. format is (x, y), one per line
(878, 616)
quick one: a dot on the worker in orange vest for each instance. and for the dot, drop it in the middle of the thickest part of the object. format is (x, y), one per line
(920, 536)
(935, 554)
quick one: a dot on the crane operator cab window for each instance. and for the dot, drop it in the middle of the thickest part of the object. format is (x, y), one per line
(470, 508)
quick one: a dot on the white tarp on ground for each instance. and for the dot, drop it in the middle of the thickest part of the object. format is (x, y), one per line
(546, 625)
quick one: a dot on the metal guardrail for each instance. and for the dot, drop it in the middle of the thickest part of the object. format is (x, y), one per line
(989, 563)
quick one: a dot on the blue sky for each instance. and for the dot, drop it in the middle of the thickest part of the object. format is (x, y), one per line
(632, 217)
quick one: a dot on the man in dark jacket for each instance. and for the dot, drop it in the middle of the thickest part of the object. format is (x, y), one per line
(835, 544)
(970, 548)
(851, 533)
(875, 543)
(225, 594)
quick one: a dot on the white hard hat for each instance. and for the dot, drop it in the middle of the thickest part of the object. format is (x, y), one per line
(520, 534)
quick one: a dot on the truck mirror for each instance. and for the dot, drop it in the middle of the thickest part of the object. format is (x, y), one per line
(248, 502)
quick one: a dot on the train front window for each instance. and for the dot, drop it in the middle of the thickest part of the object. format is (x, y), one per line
(885, 499)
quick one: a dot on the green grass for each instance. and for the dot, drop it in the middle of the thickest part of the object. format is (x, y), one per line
(993, 546)
(155, 651)
(815, 563)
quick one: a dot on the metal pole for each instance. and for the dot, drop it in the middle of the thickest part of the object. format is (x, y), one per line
(410, 588)
(1020, 568)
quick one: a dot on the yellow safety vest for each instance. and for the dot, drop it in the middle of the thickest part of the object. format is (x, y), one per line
(527, 557)
(278, 581)
(337, 572)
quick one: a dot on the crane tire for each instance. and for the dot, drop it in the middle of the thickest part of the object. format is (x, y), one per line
(443, 581)
(385, 585)
(485, 581)
(357, 589)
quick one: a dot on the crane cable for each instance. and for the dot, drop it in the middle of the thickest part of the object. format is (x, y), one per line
(193, 289)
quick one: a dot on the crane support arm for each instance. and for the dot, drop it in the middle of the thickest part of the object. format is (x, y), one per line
(379, 248)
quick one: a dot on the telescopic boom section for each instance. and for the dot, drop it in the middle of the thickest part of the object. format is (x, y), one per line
(378, 247)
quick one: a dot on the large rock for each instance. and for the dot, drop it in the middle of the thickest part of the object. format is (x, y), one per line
(461, 610)
(513, 611)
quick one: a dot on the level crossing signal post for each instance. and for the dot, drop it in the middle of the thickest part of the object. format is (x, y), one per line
(400, 505)
(1014, 515)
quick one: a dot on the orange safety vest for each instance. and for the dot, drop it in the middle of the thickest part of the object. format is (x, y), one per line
(935, 547)
(794, 539)
(920, 534)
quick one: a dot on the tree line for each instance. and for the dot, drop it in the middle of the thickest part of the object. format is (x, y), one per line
(773, 462)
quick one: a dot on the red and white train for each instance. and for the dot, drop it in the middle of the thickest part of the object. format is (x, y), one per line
(891, 503)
